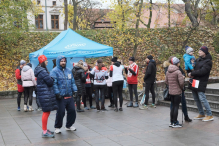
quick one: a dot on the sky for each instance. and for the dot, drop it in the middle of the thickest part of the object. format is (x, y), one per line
(106, 3)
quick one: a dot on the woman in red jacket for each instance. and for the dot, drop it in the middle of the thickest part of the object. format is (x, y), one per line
(19, 82)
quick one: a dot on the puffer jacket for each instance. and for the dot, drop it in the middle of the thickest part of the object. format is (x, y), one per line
(202, 72)
(64, 83)
(187, 59)
(80, 78)
(174, 79)
(27, 77)
(45, 92)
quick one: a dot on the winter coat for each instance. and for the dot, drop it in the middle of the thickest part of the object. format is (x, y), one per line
(174, 79)
(150, 73)
(202, 72)
(80, 78)
(19, 81)
(27, 77)
(64, 83)
(187, 59)
(45, 92)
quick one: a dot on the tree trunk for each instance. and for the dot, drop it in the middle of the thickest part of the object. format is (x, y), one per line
(214, 15)
(193, 15)
(75, 15)
(137, 28)
(169, 13)
(150, 17)
(66, 14)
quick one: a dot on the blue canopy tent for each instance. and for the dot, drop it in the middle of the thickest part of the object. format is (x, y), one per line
(73, 46)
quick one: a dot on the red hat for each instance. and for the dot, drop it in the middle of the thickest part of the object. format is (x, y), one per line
(42, 58)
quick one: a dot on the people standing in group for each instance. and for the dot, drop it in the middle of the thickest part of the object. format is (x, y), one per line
(175, 80)
(64, 87)
(132, 79)
(88, 88)
(19, 83)
(28, 82)
(45, 94)
(201, 72)
(116, 72)
(78, 72)
(100, 75)
(183, 102)
(149, 79)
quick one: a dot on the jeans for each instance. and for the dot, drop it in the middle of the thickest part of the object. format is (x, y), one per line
(69, 105)
(131, 88)
(200, 99)
(149, 87)
(184, 107)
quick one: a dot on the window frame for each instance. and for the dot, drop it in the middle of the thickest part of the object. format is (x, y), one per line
(38, 18)
(54, 19)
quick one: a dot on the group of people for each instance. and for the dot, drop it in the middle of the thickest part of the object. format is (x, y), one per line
(55, 89)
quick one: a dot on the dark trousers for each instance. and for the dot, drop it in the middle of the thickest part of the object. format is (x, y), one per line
(117, 88)
(19, 94)
(69, 105)
(37, 99)
(89, 95)
(28, 94)
(149, 87)
(131, 88)
(109, 95)
(175, 101)
(100, 91)
(184, 106)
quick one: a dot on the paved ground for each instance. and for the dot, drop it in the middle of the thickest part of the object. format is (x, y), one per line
(132, 127)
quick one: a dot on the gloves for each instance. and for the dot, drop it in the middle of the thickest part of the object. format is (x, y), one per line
(58, 97)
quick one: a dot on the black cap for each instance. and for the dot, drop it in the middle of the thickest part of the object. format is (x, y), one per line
(114, 59)
(150, 57)
(132, 59)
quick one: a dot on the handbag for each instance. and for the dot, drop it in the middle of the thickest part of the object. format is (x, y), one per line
(166, 95)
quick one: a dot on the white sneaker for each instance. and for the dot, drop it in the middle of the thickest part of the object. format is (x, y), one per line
(71, 128)
(31, 109)
(57, 130)
(25, 108)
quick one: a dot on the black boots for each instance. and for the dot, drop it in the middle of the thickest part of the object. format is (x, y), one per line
(111, 105)
(187, 119)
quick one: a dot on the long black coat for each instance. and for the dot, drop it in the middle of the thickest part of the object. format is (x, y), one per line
(150, 73)
(80, 79)
(202, 72)
(45, 92)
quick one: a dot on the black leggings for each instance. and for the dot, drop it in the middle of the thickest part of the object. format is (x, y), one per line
(28, 94)
(175, 101)
(117, 88)
(109, 94)
(19, 94)
(100, 91)
(149, 87)
(88, 94)
(131, 88)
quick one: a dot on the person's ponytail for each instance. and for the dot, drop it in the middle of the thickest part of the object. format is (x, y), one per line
(100, 65)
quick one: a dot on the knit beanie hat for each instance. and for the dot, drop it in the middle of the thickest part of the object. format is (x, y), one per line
(81, 62)
(114, 59)
(189, 49)
(99, 61)
(174, 60)
(22, 62)
(150, 57)
(204, 49)
(132, 59)
(42, 58)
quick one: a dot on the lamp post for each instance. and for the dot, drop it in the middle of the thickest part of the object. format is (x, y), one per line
(46, 15)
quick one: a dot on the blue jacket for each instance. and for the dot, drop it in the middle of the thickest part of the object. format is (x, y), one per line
(45, 93)
(64, 83)
(187, 59)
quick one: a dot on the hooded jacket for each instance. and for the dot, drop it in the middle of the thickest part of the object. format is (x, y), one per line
(80, 78)
(202, 72)
(150, 73)
(174, 79)
(45, 92)
(166, 65)
(64, 83)
(116, 72)
(187, 59)
(27, 77)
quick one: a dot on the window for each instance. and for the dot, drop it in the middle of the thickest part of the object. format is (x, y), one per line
(39, 22)
(38, 2)
(54, 3)
(55, 21)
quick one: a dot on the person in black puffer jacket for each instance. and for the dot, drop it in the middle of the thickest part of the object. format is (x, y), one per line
(45, 93)
(80, 80)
